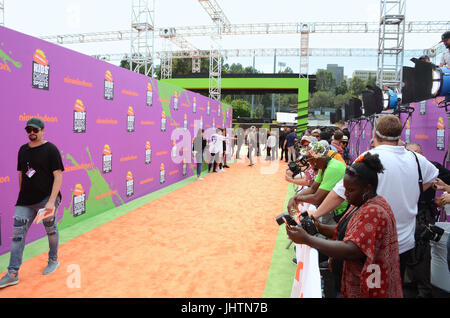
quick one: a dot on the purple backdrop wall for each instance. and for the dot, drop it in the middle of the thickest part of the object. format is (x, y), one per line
(101, 117)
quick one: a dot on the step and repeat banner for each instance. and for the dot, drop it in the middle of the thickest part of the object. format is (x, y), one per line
(120, 134)
(427, 126)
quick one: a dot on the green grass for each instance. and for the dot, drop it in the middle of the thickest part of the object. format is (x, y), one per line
(282, 270)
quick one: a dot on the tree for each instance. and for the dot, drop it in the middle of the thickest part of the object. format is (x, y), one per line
(287, 70)
(325, 81)
(341, 99)
(371, 81)
(357, 85)
(241, 108)
(342, 88)
(322, 99)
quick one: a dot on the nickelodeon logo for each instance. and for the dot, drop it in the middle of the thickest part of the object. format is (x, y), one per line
(5, 179)
(45, 118)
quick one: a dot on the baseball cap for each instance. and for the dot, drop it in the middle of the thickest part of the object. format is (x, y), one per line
(345, 138)
(316, 131)
(36, 123)
(445, 36)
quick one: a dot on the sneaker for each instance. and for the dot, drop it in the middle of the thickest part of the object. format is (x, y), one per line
(294, 261)
(200, 178)
(8, 280)
(221, 170)
(51, 267)
(226, 166)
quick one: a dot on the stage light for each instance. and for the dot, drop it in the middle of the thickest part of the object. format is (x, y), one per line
(424, 81)
(441, 82)
(390, 99)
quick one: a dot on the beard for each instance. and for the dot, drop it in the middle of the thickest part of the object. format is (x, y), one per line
(32, 137)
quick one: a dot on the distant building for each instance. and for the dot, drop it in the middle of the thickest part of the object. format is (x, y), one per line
(337, 71)
(364, 75)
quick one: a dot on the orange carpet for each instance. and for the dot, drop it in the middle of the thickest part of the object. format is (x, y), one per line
(211, 238)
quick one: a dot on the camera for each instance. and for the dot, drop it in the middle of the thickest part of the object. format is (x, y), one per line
(288, 219)
(306, 222)
(296, 167)
(431, 233)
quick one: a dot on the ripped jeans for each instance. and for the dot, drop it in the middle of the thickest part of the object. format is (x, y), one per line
(23, 218)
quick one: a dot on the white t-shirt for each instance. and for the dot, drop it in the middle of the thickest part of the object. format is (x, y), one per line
(271, 141)
(445, 59)
(216, 143)
(399, 185)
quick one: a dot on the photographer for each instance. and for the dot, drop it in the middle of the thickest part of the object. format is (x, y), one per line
(365, 238)
(330, 172)
(419, 270)
(399, 184)
(302, 173)
(445, 60)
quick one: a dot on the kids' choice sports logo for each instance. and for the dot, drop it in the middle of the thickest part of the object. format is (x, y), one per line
(79, 201)
(163, 121)
(423, 107)
(408, 132)
(175, 100)
(130, 119)
(174, 149)
(109, 86)
(79, 117)
(107, 159)
(40, 71)
(149, 94)
(148, 153)
(185, 123)
(130, 184)
(162, 174)
(440, 134)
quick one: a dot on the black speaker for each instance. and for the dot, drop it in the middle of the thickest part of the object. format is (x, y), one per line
(346, 112)
(417, 81)
(338, 114)
(372, 100)
(355, 108)
(333, 118)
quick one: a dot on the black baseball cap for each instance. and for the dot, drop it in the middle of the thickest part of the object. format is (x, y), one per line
(445, 36)
(36, 123)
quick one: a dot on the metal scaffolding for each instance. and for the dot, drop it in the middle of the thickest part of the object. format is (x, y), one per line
(391, 43)
(280, 52)
(304, 50)
(142, 36)
(255, 29)
(215, 58)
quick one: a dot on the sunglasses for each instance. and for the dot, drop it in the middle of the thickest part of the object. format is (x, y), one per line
(32, 129)
(351, 171)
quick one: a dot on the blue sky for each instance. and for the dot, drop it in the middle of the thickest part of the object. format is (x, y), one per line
(51, 17)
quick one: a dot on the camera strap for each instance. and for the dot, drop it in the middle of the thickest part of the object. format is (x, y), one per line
(420, 174)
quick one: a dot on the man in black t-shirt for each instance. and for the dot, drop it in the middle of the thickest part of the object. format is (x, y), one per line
(40, 177)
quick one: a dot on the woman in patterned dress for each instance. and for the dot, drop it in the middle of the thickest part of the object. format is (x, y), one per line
(363, 246)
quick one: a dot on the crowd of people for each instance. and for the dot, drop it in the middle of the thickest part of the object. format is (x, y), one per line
(374, 212)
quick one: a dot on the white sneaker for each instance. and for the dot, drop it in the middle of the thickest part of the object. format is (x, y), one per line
(200, 178)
